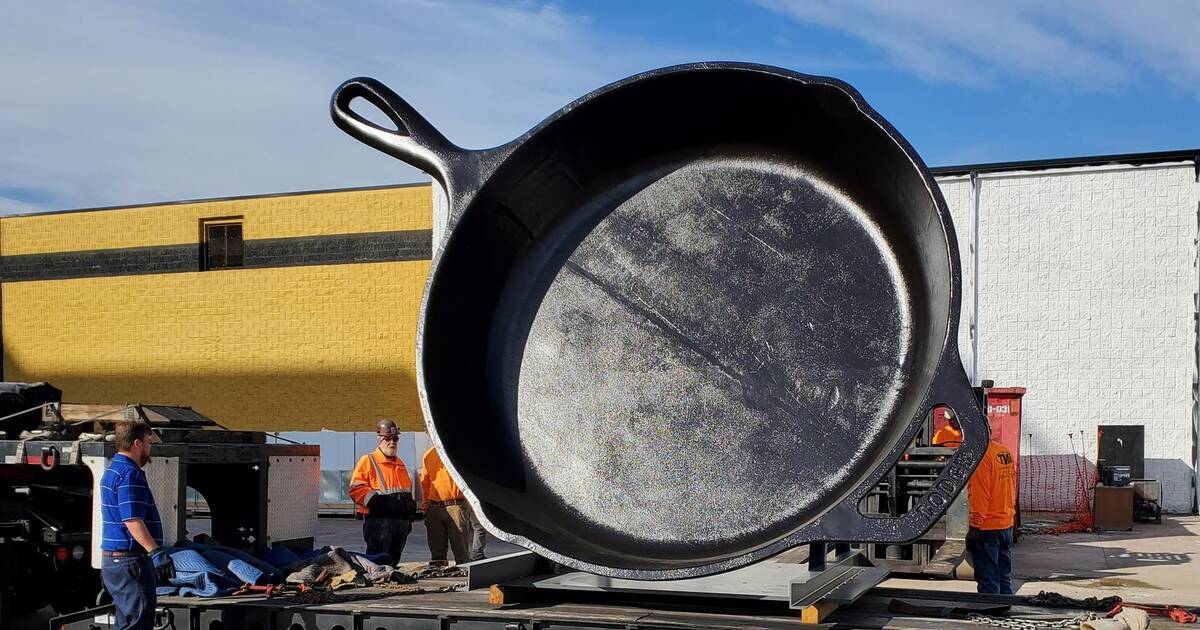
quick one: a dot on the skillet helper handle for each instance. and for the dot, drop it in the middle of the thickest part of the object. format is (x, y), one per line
(951, 388)
(414, 140)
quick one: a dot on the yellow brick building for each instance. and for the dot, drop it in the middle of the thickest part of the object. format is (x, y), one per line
(293, 312)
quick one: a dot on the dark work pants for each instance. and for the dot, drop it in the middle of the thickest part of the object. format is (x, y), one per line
(991, 553)
(386, 535)
(130, 581)
(478, 538)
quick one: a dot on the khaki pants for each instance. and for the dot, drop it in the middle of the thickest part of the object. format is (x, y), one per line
(448, 525)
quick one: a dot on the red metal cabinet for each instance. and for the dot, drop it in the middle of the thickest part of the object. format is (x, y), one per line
(1004, 416)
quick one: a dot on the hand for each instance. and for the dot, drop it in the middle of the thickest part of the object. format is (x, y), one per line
(162, 564)
(401, 505)
(382, 505)
(407, 505)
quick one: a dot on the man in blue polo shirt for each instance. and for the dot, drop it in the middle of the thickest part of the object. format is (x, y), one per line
(132, 546)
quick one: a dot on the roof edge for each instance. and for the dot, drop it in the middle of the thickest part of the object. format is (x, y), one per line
(183, 202)
(1152, 157)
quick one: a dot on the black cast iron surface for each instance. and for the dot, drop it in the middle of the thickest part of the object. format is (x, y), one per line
(686, 321)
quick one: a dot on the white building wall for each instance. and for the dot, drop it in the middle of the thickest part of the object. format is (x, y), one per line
(1086, 292)
(959, 193)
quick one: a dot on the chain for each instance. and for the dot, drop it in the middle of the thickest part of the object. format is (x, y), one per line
(1056, 600)
(437, 572)
(319, 597)
(1010, 623)
(412, 589)
(387, 589)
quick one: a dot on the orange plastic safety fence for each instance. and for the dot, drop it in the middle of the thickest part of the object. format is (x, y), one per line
(1063, 484)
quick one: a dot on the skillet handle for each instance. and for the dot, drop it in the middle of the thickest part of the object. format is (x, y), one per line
(951, 388)
(414, 140)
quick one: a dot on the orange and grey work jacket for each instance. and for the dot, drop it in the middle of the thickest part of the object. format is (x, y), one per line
(377, 473)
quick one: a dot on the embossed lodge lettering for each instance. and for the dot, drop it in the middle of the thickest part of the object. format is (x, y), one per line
(957, 471)
(944, 490)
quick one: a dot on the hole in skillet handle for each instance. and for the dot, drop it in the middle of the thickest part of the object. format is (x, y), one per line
(943, 473)
(368, 113)
(383, 105)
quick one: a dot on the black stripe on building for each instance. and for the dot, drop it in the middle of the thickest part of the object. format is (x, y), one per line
(339, 249)
(264, 253)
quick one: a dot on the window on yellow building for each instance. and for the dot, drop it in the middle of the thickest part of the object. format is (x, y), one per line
(222, 247)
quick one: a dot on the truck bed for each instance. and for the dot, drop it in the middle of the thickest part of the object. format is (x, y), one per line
(384, 609)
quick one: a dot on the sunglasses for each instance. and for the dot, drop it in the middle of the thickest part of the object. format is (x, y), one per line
(390, 438)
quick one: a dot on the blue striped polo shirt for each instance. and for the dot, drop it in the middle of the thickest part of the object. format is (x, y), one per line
(125, 495)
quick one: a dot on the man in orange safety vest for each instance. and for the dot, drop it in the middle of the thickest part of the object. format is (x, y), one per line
(447, 514)
(382, 494)
(950, 435)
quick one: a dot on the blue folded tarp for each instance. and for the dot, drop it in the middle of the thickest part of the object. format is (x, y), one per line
(270, 575)
(210, 570)
(196, 575)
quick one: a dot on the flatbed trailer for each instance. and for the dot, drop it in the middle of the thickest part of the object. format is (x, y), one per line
(273, 481)
(258, 495)
(384, 609)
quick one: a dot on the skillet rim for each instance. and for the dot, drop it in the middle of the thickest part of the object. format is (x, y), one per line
(461, 198)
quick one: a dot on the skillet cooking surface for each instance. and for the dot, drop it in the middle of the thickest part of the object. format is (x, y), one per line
(715, 358)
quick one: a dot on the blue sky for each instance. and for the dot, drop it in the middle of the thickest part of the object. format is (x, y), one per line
(134, 102)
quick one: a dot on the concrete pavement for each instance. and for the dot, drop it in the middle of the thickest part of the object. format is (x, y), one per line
(1152, 563)
(347, 533)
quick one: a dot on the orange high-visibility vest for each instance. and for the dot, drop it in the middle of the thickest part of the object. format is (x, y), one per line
(436, 482)
(377, 473)
(948, 436)
(992, 490)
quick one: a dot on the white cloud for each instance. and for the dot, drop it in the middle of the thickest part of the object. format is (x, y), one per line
(1159, 37)
(12, 206)
(106, 103)
(1082, 44)
(125, 102)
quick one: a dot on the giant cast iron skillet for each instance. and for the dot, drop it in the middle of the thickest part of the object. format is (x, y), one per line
(688, 321)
